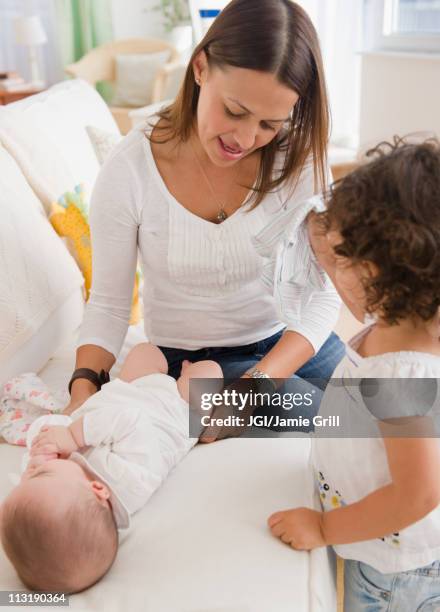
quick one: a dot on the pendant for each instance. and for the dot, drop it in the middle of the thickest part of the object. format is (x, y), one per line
(222, 216)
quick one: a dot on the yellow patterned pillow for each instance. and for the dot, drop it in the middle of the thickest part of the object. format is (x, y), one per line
(69, 219)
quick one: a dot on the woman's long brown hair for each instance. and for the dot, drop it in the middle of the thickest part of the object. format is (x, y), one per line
(278, 37)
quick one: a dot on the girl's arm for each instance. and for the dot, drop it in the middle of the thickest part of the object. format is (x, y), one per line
(414, 492)
(414, 465)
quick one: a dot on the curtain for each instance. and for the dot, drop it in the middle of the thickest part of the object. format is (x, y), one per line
(340, 26)
(83, 25)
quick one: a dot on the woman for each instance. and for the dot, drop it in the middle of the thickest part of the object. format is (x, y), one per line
(219, 172)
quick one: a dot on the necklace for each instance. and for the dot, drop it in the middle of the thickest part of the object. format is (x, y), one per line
(222, 215)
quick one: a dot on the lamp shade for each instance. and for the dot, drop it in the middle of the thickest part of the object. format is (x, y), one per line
(29, 31)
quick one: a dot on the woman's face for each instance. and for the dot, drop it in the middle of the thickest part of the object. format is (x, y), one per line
(239, 110)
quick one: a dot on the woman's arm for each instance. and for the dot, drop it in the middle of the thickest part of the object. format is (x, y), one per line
(290, 353)
(88, 356)
(308, 324)
(326, 257)
(114, 221)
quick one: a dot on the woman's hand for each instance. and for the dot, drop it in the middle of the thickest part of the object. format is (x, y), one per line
(300, 528)
(81, 390)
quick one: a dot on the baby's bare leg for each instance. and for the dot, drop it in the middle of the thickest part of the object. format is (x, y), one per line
(200, 369)
(143, 359)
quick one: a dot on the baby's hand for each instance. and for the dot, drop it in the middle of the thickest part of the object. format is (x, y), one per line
(300, 528)
(55, 439)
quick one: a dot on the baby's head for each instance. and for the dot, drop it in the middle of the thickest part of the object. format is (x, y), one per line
(383, 221)
(57, 528)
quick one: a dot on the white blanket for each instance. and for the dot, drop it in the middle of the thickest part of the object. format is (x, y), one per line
(201, 544)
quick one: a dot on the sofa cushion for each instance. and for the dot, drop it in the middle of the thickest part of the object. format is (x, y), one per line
(46, 135)
(40, 284)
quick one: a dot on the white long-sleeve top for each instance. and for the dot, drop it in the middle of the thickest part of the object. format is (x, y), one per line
(204, 284)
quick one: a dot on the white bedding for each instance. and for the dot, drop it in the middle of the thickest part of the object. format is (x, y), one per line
(201, 544)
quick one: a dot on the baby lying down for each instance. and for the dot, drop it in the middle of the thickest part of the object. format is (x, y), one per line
(59, 526)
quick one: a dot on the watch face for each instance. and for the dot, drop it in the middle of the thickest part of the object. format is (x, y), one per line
(261, 384)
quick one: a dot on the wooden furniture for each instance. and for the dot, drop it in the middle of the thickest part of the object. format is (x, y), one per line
(6, 97)
(339, 170)
(343, 160)
(99, 65)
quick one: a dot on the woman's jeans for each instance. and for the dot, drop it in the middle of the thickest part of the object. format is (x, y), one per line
(367, 590)
(235, 360)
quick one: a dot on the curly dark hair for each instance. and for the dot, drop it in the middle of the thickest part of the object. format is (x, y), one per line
(388, 213)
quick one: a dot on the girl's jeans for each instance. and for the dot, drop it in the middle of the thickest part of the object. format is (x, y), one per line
(367, 590)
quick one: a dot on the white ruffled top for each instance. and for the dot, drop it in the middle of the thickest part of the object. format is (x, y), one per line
(204, 284)
(348, 469)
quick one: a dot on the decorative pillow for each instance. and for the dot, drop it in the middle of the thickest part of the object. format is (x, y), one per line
(69, 219)
(45, 135)
(135, 75)
(102, 141)
(38, 279)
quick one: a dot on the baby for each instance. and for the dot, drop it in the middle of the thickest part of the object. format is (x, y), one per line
(85, 477)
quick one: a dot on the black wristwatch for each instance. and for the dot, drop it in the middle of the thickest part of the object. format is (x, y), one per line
(97, 379)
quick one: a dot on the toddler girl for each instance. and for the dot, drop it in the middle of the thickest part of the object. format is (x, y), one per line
(379, 241)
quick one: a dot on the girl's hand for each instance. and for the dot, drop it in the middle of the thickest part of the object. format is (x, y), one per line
(56, 439)
(300, 528)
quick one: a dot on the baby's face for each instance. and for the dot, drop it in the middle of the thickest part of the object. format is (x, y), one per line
(45, 480)
(59, 469)
(60, 479)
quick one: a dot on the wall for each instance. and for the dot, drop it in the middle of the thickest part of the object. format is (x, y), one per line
(400, 93)
(135, 18)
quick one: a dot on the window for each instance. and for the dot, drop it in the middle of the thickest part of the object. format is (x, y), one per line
(405, 25)
(414, 17)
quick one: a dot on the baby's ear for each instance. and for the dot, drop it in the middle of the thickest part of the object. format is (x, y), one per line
(100, 490)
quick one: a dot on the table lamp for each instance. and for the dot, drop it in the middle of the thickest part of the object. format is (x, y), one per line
(29, 32)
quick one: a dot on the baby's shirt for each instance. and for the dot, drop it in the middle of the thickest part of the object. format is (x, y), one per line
(135, 434)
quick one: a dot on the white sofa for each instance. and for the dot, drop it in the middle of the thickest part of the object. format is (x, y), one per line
(201, 544)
